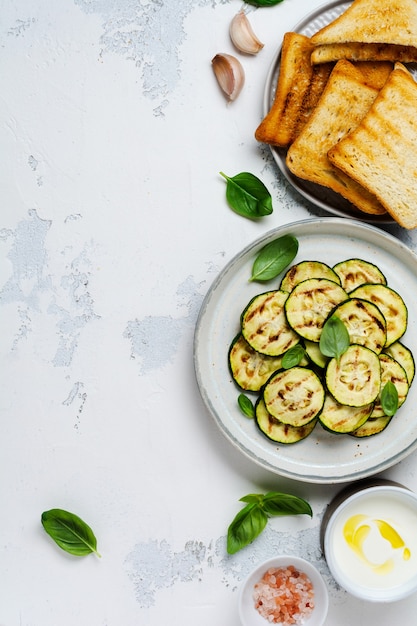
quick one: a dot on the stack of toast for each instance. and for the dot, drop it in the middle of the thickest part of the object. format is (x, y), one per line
(345, 107)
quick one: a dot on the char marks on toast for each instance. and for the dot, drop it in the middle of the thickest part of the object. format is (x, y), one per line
(356, 51)
(345, 100)
(381, 153)
(299, 86)
(375, 73)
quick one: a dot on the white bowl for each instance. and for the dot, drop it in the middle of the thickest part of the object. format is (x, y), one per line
(249, 615)
(373, 557)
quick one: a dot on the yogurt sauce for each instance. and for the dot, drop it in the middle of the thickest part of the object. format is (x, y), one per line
(374, 541)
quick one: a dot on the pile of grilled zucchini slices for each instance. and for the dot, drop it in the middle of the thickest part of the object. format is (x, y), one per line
(343, 394)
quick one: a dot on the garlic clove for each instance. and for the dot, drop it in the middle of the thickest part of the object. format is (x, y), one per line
(229, 74)
(242, 35)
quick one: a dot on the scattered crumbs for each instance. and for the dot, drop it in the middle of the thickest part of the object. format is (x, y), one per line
(73, 217)
(75, 391)
(24, 329)
(20, 27)
(33, 163)
(78, 394)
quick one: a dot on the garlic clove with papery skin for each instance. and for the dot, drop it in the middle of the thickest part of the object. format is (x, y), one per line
(229, 73)
(242, 35)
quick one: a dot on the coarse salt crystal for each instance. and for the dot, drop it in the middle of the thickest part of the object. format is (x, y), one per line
(284, 596)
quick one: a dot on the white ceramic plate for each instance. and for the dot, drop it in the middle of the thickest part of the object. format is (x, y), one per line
(320, 196)
(322, 457)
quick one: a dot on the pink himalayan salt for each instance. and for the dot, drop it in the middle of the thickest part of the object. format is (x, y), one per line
(284, 596)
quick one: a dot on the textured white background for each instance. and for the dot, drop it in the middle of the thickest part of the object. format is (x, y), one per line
(113, 226)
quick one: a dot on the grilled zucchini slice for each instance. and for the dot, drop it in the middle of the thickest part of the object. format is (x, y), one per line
(392, 371)
(339, 418)
(315, 354)
(372, 427)
(278, 431)
(364, 322)
(309, 304)
(294, 396)
(391, 305)
(355, 378)
(264, 324)
(250, 369)
(404, 356)
(304, 270)
(355, 272)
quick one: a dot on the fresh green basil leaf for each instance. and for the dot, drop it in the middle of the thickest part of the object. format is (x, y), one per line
(246, 406)
(263, 3)
(389, 398)
(246, 526)
(247, 195)
(334, 338)
(70, 532)
(252, 519)
(252, 497)
(276, 503)
(274, 257)
(293, 356)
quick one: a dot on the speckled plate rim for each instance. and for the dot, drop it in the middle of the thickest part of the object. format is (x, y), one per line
(320, 196)
(323, 457)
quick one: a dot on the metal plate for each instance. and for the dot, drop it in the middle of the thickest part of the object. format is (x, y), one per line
(320, 196)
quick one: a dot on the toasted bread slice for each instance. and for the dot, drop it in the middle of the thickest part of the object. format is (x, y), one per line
(381, 153)
(299, 86)
(373, 21)
(312, 95)
(345, 100)
(356, 51)
(375, 73)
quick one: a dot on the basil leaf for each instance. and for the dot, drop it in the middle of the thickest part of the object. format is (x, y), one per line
(252, 497)
(389, 398)
(334, 338)
(275, 503)
(293, 356)
(252, 519)
(247, 195)
(274, 257)
(246, 526)
(263, 3)
(246, 406)
(69, 532)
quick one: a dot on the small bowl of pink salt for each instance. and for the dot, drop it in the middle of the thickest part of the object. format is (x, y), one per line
(286, 591)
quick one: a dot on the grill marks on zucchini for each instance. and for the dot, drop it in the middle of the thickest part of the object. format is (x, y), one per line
(343, 393)
(278, 431)
(294, 396)
(364, 322)
(404, 356)
(392, 371)
(354, 379)
(310, 303)
(391, 305)
(353, 273)
(305, 270)
(340, 418)
(264, 324)
(372, 426)
(250, 369)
